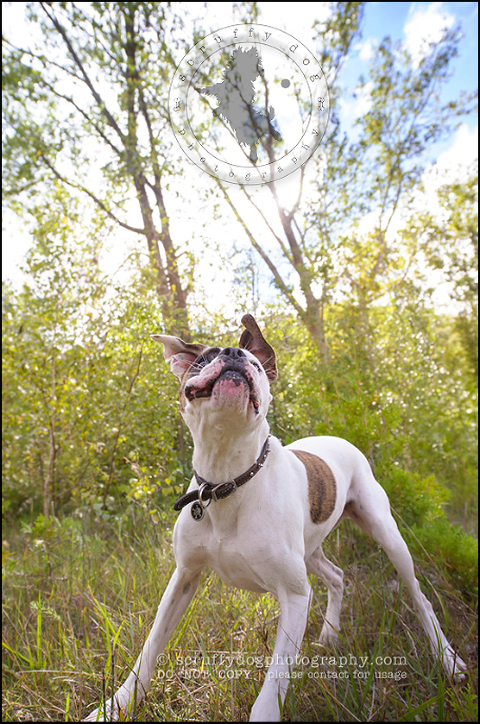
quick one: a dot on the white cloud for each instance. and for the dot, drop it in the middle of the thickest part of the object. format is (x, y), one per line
(452, 165)
(425, 25)
(356, 106)
(367, 49)
(462, 152)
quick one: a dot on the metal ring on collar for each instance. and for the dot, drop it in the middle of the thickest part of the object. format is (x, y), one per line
(203, 503)
(221, 485)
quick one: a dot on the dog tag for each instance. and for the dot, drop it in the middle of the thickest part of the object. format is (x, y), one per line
(197, 511)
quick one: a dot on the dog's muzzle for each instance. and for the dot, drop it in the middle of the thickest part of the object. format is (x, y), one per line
(234, 367)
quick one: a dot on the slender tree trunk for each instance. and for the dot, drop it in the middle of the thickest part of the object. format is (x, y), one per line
(313, 319)
(169, 285)
(49, 479)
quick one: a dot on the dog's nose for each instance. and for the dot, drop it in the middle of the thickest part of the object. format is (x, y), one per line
(232, 353)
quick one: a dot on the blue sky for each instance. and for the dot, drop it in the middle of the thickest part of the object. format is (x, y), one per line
(412, 23)
(392, 19)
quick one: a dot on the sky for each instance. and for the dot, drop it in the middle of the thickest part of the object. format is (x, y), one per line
(412, 23)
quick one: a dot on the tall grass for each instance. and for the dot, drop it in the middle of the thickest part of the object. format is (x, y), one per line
(79, 597)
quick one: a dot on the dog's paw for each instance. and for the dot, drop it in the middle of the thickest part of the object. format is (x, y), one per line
(106, 712)
(328, 637)
(455, 667)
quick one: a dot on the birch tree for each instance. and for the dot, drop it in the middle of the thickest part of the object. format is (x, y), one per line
(86, 108)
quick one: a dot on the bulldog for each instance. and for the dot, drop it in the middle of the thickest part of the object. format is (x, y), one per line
(257, 513)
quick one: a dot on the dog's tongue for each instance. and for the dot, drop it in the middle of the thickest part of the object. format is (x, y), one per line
(230, 382)
(235, 378)
(205, 389)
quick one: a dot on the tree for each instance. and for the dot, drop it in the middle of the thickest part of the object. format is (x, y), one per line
(449, 241)
(311, 244)
(81, 407)
(87, 109)
(308, 262)
(87, 146)
(43, 359)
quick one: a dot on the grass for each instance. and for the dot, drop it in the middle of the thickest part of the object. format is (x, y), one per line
(79, 597)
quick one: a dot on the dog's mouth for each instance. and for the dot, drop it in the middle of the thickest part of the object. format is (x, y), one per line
(195, 391)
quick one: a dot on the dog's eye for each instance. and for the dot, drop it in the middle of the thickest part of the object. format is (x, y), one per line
(206, 358)
(255, 364)
(201, 362)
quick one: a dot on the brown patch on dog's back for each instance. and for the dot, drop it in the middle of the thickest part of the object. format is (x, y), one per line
(322, 488)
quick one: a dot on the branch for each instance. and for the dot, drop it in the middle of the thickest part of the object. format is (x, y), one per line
(276, 274)
(296, 205)
(92, 196)
(286, 221)
(151, 137)
(43, 60)
(119, 429)
(86, 116)
(267, 223)
(59, 28)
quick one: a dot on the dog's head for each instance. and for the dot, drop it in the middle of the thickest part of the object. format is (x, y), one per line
(215, 381)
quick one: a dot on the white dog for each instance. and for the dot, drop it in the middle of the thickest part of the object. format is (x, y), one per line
(257, 513)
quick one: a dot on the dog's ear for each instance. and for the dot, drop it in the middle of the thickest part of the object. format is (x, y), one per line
(252, 339)
(180, 354)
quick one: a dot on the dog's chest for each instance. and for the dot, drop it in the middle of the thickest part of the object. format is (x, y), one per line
(237, 558)
(237, 573)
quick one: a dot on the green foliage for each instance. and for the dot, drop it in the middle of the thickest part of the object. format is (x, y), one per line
(90, 406)
(448, 242)
(92, 433)
(452, 549)
(419, 499)
(81, 377)
(79, 595)
(403, 406)
(77, 108)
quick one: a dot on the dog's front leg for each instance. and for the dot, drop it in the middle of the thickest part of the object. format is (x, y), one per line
(294, 609)
(174, 603)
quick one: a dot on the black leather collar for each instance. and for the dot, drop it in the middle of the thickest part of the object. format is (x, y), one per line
(217, 491)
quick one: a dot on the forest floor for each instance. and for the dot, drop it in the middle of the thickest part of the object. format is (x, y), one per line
(79, 596)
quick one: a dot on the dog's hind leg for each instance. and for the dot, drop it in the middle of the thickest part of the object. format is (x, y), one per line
(332, 576)
(370, 509)
(174, 603)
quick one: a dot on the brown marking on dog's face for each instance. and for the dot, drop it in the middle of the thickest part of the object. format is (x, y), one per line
(322, 488)
(233, 377)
